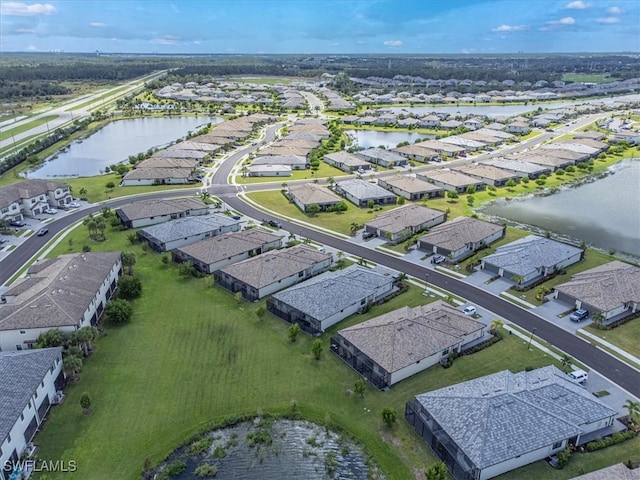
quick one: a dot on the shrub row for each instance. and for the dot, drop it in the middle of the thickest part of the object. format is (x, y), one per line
(614, 439)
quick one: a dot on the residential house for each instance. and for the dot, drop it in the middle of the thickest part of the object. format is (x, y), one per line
(272, 271)
(430, 121)
(68, 292)
(630, 137)
(488, 174)
(347, 162)
(295, 162)
(518, 127)
(150, 212)
(361, 193)
(460, 237)
(325, 300)
(417, 152)
(476, 427)
(592, 134)
(380, 156)
(531, 258)
(306, 194)
(544, 159)
(166, 236)
(165, 161)
(31, 198)
(465, 143)
(451, 180)
(268, 170)
(401, 223)
(612, 288)
(217, 252)
(442, 148)
(589, 152)
(30, 384)
(410, 187)
(157, 176)
(520, 168)
(401, 343)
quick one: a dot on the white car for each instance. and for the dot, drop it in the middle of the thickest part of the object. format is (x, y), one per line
(51, 211)
(74, 205)
(470, 310)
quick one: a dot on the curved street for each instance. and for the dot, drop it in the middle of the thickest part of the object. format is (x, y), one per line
(605, 364)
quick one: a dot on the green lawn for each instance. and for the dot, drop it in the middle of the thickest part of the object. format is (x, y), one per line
(587, 78)
(625, 336)
(336, 221)
(195, 356)
(6, 134)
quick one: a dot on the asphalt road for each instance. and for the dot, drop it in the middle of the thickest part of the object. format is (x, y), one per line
(596, 359)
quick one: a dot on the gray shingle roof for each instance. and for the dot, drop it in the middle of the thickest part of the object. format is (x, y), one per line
(605, 287)
(410, 184)
(529, 254)
(381, 153)
(155, 208)
(402, 337)
(407, 216)
(328, 293)
(57, 295)
(363, 190)
(21, 374)
(188, 227)
(346, 158)
(309, 193)
(275, 265)
(501, 416)
(212, 250)
(455, 234)
(27, 189)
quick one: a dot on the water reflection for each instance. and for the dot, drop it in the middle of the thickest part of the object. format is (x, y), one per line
(116, 142)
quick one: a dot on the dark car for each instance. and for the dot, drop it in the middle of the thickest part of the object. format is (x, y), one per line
(275, 224)
(579, 315)
(235, 217)
(17, 223)
(43, 231)
(366, 235)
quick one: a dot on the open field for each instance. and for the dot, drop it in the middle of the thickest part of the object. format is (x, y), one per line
(197, 356)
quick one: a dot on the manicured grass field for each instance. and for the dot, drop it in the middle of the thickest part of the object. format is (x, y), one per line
(192, 355)
(625, 336)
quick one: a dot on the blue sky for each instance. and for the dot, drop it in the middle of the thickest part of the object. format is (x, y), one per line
(321, 26)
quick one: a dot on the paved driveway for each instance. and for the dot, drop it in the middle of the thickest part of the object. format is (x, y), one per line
(480, 278)
(551, 310)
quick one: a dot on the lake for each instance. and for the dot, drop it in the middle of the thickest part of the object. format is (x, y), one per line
(375, 138)
(116, 142)
(605, 213)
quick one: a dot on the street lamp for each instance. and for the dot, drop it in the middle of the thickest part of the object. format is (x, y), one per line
(531, 338)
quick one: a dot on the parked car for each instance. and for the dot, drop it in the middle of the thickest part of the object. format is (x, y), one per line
(43, 231)
(275, 224)
(50, 211)
(74, 205)
(579, 376)
(470, 310)
(366, 235)
(17, 223)
(579, 315)
(438, 258)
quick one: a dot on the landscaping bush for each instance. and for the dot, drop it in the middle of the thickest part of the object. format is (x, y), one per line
(563, 458)
(614, 439)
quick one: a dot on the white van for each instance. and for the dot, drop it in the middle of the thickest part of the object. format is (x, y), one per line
(579, 376)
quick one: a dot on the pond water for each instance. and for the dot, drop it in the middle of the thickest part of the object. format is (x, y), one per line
(605, 213)
(375, 138)
(268, 449)
(116, 142)
(506, 110)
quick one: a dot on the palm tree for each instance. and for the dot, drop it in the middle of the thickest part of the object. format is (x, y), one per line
(518, 279)
(84, 337)
(598, 319)
(566, 362)
(331, 181)
(633, 409)
(496, 324)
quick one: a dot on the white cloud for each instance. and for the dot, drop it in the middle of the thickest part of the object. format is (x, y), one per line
(556, 24)
(32, 48)
(576, 5)
(609, 20)
(615, 10)
(23, 30)
(24, 10)
(510, 28)
(566, 21)
(393, 43)
(165, 40)
(98, 24)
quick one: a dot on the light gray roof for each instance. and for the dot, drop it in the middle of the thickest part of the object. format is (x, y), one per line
(275, 265)
(407, 216)
(214, 249)
(153, 173)
(410, 184)
(329, 293)
(280, 160)
(402, 337)
(484, 171)
(363, 190)
(21, 373)
(27, 189)
(381, 153)
(310, 193)
(449, 177)
(58, 294)
(346, 158)
(159, 207)
(486, 417)
(455, 234)
(167, 161)
(517, 165)
(187, 227)
(605, 287)
(530, 254)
